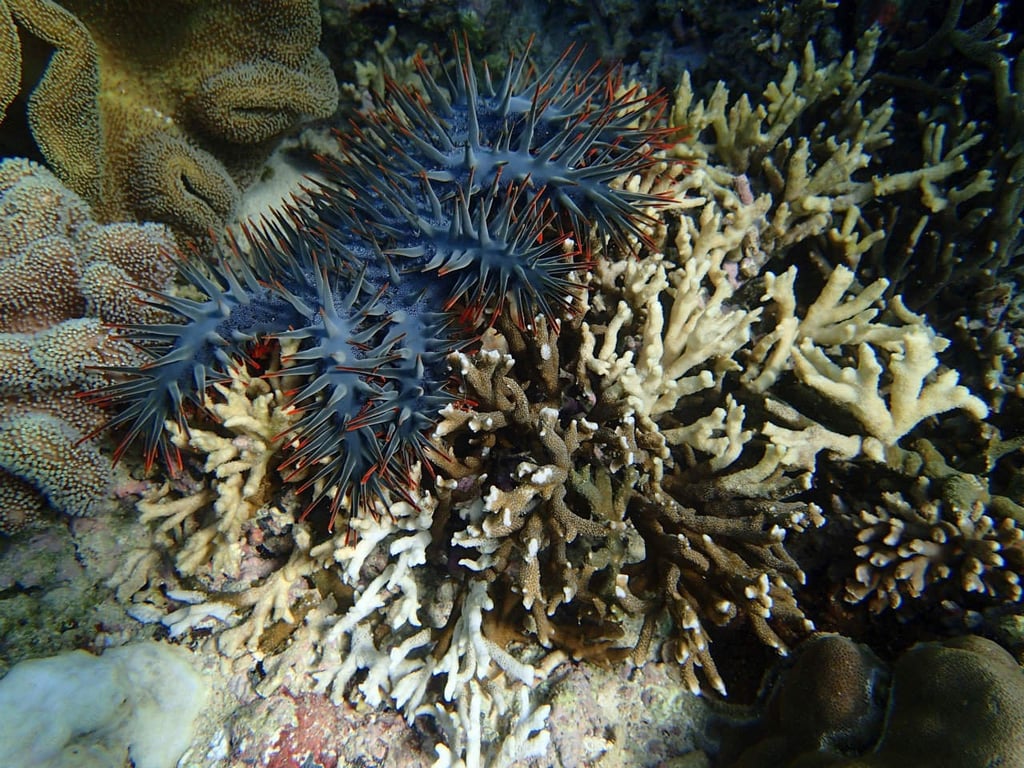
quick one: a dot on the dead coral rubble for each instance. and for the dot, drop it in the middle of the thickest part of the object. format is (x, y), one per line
(142, 109)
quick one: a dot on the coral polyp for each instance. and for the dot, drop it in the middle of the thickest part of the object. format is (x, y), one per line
(445, 207)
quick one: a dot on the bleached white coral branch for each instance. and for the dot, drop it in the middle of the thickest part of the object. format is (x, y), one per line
(720, 434)
(525, 737)
(915, 392)
(687, 331)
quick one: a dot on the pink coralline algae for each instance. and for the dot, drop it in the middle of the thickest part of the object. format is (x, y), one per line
(63, 279)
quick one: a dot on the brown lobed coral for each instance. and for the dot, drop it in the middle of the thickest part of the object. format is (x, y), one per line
(62, 278)
(159, 112)
(960, 700)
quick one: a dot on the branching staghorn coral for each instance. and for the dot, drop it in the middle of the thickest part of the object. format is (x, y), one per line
(976, 248)
(540, 498)
(712, 528)
(691, 348)
(726, 384)
(366, 614)
(254, 414)
(914, 391)
(907, 550)
(973, 43)
(813, 176)
(955, 74)
(625, 479)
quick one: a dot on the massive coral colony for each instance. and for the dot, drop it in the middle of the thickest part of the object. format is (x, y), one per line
(446, 207)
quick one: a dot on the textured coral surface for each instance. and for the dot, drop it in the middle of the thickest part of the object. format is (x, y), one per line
(604, 415)
(158, 113)
(956, 700)
(63, 276)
